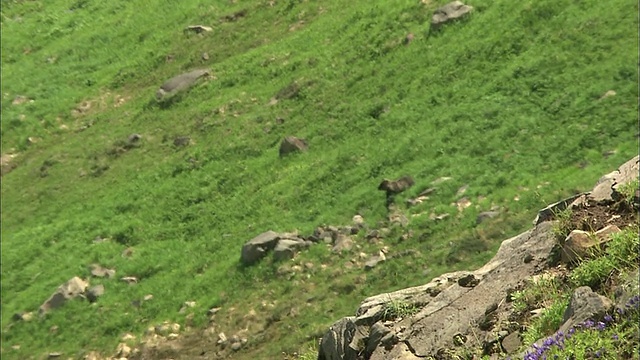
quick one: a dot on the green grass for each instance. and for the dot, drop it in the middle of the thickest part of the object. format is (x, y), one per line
(507, 102)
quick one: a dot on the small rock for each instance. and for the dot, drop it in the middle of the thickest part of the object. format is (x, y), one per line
(512, 342)
(236, 346)
(130, 280)
(147, 297)
(172, 336)
(123, 350)
(375, 260)
(54, 355)
(358, 221)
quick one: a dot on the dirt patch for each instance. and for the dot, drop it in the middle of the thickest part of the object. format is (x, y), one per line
(593, 216)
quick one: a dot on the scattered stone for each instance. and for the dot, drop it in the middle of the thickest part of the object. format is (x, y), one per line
(69, 290)
(375, 260)
(448, 13)
(462, 190)
(19, 100)
(342, 243)
(358, 221)
(205, 56)
(54, 355)
(580, 244)
(222, 339)
(99, 271)
(25, 316)
(463, 203)
(130, 280)
(292, 144)
(439, 217)
(94, 292)
(123, 350)
(147, 297)
(608, 94)
(128, 337)
(198, 28)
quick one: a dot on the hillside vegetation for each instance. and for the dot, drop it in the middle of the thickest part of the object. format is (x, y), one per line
(508, 102)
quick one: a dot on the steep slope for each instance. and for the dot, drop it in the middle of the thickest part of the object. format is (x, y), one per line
(509, 100)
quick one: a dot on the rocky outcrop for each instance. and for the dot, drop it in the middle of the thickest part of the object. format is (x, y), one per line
(459, 309)
(284, 246)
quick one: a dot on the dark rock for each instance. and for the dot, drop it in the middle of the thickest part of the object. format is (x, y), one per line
(396, 186)
(550, 211)
(335, 342)
(292, 144)
(257, 247)
(468, 281)
(376, 333)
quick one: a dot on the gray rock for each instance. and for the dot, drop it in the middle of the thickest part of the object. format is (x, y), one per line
(512, 342)
(257, 247)
(69, 290)
(179, 83)
(342, 243)
(335, 342)
(549, 212)
(448, 13)
(584, 304)
(286, 248)
(292, 144)
(374, 260)
(376, 333)
(99, 271)
(580, 245)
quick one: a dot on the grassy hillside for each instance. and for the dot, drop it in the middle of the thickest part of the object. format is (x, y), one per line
(508, 102)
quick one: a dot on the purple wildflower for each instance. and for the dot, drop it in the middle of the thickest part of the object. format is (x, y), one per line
(571, 331)
(615, 337)
(588, 323)
(601, 325)
(608, 318)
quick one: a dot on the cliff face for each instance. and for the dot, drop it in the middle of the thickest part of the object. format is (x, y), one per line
(473, 309)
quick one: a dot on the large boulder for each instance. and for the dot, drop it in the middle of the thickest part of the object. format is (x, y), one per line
(450, 12)
(67, 291)
(256, 248)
